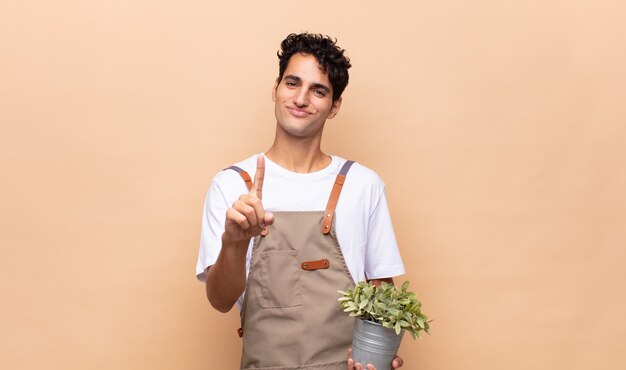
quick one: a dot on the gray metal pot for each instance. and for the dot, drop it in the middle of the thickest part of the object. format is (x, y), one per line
(374, 344)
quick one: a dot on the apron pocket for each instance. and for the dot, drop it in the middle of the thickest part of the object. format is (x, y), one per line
(280, 279)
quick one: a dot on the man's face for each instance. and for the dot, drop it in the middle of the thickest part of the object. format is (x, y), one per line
(303, 98)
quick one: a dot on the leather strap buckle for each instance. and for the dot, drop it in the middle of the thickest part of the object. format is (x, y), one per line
(315, 265)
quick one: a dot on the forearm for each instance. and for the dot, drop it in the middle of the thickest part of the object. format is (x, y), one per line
(378, 281)
(226, 279)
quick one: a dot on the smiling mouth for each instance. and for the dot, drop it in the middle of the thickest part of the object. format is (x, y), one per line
(298, 112)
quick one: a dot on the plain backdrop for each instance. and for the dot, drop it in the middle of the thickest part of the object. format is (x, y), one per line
(498, 127)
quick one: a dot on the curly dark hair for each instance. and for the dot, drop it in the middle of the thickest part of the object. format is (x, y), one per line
(325, 50)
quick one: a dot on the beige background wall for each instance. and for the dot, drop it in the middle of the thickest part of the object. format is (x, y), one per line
(498, 127)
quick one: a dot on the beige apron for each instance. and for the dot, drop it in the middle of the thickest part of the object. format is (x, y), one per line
(290, 316)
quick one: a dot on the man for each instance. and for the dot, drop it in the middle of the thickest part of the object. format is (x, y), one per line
(309, 224)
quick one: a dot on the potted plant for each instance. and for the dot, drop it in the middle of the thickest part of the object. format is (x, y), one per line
(384, 312)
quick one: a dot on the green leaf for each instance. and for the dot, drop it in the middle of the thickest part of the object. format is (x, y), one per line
(368, 290)
(420, 322)
(363, 303)
(393, 307)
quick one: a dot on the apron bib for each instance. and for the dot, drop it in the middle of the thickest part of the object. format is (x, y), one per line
(290, 316)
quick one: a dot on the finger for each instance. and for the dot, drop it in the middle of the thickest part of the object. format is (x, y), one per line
(234, 216)
(257, 207)
(370, 367)
(259, 176)
(247, 210)
(397, 362)
(358, 366)
(269, 218)
(350, 360)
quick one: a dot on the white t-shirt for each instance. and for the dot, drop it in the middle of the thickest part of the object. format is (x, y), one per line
(362, 220)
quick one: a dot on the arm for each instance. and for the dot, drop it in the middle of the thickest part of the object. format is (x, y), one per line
(380, 237)
(382, 255)
(226, 279)
(378, 281)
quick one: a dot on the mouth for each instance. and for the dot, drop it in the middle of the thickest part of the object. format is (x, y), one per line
(297, 112)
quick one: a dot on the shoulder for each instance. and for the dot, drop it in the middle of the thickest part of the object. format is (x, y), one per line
(362, 175)
(230, 182)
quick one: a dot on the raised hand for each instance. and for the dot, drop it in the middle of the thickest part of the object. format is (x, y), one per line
(247, 217)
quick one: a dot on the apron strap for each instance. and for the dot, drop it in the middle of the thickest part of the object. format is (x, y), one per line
(244, 175)
(329, 213)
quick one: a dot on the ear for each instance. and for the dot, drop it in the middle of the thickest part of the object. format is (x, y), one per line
(335, 108)
(274, 91)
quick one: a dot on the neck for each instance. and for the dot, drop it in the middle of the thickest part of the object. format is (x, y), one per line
(298, 155)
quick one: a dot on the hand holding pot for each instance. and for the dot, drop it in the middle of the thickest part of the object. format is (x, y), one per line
(395, 364)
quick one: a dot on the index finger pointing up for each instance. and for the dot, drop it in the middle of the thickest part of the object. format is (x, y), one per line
(257, 185)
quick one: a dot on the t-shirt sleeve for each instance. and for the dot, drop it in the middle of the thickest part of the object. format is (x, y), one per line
(213, 221)
(382, 256)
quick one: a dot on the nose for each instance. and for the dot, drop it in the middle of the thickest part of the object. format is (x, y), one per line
(301, 98)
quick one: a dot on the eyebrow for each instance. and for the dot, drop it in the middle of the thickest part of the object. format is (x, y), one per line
(315, 85)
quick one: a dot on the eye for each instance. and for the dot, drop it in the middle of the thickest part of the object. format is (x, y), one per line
(290, 84)
(319, 92)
